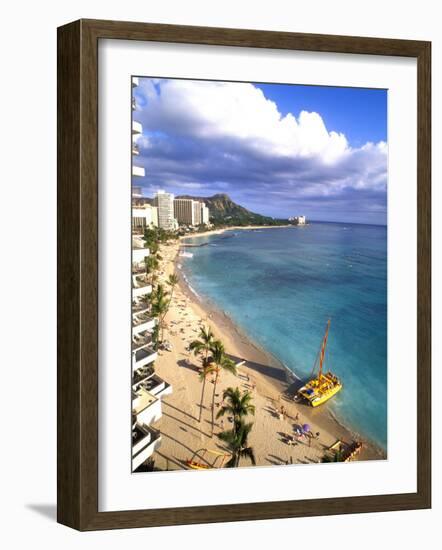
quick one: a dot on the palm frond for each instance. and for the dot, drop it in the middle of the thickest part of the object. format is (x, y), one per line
(249, 453)
(228, 436)
(232, 462)
(223, 410)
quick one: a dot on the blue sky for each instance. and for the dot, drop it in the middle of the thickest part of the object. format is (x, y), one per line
(277, 149)
(361, 114)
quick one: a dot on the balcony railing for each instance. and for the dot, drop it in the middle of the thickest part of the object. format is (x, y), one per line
(145, 441)
(140, 286)
(142, 339)
(156, 386)
(142, 323)
(142, 357)
(140, 307)
(136, 128)
(140, 318)
(138, 171)
(139, 269)
(140, 375)
(138, 254)
(142, 400)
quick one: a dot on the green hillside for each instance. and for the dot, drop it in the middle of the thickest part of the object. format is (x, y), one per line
(223, 211)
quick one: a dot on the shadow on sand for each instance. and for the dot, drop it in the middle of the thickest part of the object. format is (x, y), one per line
(180, 410)
(185, 364)
(185, 424)
(178, 462)
(268, 370)
(191, 451)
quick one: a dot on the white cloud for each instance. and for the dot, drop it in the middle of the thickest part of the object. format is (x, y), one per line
(222, 135)
(212, 110)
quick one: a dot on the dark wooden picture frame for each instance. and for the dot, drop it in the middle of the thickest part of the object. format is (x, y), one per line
(77, 226)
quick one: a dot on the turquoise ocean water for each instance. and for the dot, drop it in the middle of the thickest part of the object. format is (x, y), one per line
(281, 285)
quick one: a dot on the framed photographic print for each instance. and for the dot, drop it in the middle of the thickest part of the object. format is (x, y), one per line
(243, 275)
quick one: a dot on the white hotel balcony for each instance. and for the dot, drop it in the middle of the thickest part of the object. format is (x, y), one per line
(156, 386)
(141, 322)
(140, 306)
(137, 128)
(139, 253)
(145, 440)
(138, 171)
(146, 407)
(137, 240)
(141, 375)
(140, 286)
(143, 357)
(141, 340)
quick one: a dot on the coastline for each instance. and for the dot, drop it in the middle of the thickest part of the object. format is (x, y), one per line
(282, 380)
(233, 228)
(274, 384)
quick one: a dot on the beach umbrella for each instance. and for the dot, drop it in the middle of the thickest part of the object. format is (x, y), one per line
(306, 427)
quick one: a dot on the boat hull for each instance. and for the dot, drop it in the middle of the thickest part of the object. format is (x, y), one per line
(321, 400)
(319, 390)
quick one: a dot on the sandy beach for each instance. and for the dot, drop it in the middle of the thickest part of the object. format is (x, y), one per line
(273, 387)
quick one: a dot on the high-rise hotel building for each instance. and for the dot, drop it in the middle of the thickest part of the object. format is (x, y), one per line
(204, 214)
(197, 213)
(190, 212)
(137, 171)
(147, 387)
(183, 211)
(164, 202)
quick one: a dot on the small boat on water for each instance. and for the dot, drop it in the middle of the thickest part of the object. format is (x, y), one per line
(184, 254)
(320, 389)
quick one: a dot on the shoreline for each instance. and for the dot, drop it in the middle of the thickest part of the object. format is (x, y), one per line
(286, 383)
(233, 228)
(186, 422)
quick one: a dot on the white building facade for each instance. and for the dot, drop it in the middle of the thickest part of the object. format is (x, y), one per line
(144, 216)
(197, 212)
(147, 387)
(164, 202)
(204, 214)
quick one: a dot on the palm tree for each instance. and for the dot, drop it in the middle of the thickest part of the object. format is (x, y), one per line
(203, 346)
(218, 361)
(151, 264)
(237, 443)
(238, 405)
(172, 281)
(160, 304)
(156, 336)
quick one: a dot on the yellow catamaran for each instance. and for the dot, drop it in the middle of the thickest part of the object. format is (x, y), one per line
(325, 385)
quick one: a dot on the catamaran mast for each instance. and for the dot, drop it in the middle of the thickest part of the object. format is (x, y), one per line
(324, 343)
